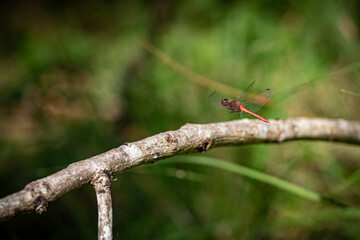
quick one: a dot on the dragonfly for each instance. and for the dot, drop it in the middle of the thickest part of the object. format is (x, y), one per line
(250, 106)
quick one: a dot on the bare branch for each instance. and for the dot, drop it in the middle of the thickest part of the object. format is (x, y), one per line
(189, 138)
(102, 183)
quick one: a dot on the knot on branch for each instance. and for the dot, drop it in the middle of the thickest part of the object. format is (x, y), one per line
(102, 179)
(38, 192)
(204, 146)
(40, 204)
(171, 140)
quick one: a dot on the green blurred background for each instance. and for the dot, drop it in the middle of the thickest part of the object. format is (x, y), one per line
(75, 82)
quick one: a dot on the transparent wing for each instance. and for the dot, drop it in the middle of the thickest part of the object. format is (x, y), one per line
(245, 93)
(215, 101)
(258, 101)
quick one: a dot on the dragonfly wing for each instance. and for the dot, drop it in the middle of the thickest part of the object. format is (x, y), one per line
(216, 99)
(245, 93)
(258, 101)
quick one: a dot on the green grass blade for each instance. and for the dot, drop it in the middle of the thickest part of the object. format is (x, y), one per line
(253, 174)
(350, 92)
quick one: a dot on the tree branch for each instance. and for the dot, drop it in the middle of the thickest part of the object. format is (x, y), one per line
(189, 138)
(102, 183)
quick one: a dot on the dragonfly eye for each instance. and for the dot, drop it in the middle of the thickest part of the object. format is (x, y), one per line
(225, 102)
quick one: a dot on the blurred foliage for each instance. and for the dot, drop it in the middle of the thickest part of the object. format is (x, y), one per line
(75, 82)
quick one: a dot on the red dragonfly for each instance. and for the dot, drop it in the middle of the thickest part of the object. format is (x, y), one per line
(248, 106)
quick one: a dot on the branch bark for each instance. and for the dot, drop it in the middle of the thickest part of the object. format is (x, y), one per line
(189, 138)
(102, 183)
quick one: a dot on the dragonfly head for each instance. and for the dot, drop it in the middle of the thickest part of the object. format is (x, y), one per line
(225, 102)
